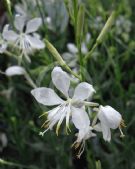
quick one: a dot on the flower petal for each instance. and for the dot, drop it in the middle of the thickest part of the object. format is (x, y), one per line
(83, 91)
(72, 48)
(97, 127)
(15, 70)
(19, 22)
(61, 80)
(110, 116)
(10, 35)
(84, 48)
(80, 118)
(85, 134)
(3, 47)
(35, 42)
(52, 113)
(33, 25)
(46, 96)
(106, 132)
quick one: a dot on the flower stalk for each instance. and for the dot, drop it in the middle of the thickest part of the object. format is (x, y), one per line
(102, 34)
(79, 33)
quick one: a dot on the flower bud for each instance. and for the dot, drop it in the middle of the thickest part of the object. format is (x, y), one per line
(106, 28)
(54, 52)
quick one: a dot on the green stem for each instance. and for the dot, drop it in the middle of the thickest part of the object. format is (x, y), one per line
(75, 13)
(10, 54)
(30, 81)
(79, 34)
(80, 61)
(40, 11)
(89, 54)
(3, 162)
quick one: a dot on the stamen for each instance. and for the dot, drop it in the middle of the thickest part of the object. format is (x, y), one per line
(81, 150)
(45, 113)
(122, 124)
(46, 124)
(122, 135)
(42, 133)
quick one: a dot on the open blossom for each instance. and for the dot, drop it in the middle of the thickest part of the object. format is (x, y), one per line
(25, 38)
(82, 123)
(71, 107)
(109, 119)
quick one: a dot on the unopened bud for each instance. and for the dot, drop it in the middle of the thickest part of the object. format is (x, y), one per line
(106, 27)
(54, 52)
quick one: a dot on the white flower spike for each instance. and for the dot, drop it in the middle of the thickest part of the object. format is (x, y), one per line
(25, 40)
(66, 108)
(109, 119)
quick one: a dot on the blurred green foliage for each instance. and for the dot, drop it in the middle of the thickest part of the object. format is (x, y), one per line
(112, 72)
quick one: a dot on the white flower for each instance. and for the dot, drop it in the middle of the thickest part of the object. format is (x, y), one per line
(15, 70)
(84, 48)
(82, 123)
(3, 47)
(27, 8)
(3, 43)
(109, 119)
(66, 108)
(3, 141)
(19, 70)
(72, 48)
(24, 39)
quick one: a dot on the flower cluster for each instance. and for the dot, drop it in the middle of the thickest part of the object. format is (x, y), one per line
(25, 38)
(73, 110)
(70, 107)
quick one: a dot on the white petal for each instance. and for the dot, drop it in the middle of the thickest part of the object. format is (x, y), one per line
(35, 42)
(84, 48)
(3, 48)
(80, 118)
(83, 91)
(110, 116)
(6, 27)
(72, 48)
(82, 134)
(85, 134)
(46, 96)
(19, 22)
(88, 37)
(97, 127)
(106, 132)
(10, 35)
(15, 70)
(61, 80)
(33, 25)
(52, 113)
